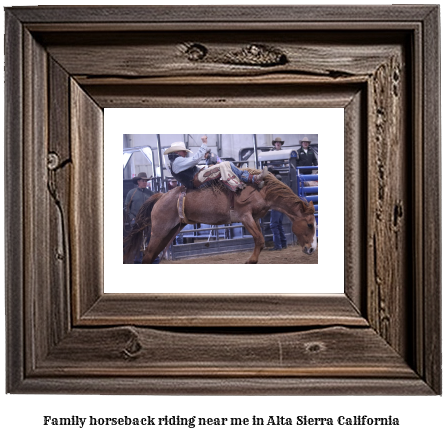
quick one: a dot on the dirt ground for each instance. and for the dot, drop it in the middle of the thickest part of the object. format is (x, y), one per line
(291, 255)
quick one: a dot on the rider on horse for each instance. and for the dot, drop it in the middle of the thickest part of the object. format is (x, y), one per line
(184, 169)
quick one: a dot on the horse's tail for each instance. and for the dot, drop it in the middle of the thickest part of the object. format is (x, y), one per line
(133, 241)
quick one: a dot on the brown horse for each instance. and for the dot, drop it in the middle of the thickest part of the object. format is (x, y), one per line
(211, 205)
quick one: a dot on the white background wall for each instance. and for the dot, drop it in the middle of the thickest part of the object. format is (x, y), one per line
(310, 278)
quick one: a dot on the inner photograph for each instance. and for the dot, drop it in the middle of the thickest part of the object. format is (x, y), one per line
(220, 198)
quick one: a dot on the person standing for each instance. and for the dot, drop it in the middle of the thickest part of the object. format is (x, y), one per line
(277, 231)
(134, 200)
(306, 156)
(277, 217)
(277, 143)
(137, 196)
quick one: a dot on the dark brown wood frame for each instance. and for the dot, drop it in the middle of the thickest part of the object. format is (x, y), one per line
(64, 65)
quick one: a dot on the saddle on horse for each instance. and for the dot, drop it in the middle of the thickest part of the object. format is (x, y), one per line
(230, 176)
(181, 207)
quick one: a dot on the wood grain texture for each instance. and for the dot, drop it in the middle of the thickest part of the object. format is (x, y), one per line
(59, 167)
(418, 174)
(14, 239)
(384, 340)
(222, 14)
(223, 96)
(388, 203)
(38, 308)
(227, 386)
(354, 193)
(108, 56)
(86, 200)
(129, 351)
(431, 319)
(250, 310)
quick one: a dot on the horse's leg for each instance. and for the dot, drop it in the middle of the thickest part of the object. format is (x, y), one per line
(158, 243)
(254, 228)
(164, 224)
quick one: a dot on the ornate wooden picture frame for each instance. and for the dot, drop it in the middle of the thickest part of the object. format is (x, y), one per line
(64, 65)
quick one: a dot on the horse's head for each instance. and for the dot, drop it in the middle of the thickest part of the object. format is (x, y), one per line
(305, 228)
